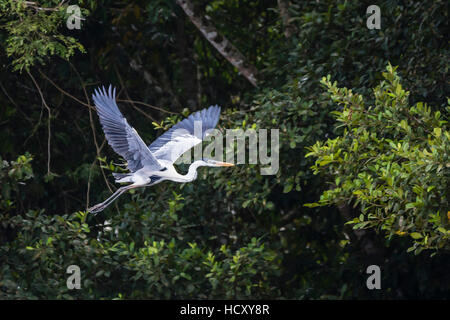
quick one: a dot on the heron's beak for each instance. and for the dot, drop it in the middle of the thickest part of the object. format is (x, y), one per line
(225, 164)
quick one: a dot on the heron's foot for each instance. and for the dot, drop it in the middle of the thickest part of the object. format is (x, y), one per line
(97, 208)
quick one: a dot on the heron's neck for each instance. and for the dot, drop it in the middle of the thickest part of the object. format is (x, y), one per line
(192, 172)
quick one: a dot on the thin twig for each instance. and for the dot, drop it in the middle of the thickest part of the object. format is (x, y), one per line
(128, 97)
(49, 121)
(147, 105)
(91, 120)
(15, 104)
(65, 92)
(34, 5)
(98, 149)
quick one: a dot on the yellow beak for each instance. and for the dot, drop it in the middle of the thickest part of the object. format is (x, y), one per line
(226, 164)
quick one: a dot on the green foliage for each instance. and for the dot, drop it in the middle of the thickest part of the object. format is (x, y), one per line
(33, 33)
(160, 10)
(333, 39)
(165, 69)
(128, 256)
(11, 174)
(391, 160)
(115, 261)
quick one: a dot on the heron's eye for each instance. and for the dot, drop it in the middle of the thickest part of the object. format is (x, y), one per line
(163, 169)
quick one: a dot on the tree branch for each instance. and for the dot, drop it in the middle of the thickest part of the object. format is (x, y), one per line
(289, 28)
(369, 245)
(225, 47)
(44, 103)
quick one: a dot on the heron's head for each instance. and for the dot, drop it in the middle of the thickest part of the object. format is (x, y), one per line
(214, 163)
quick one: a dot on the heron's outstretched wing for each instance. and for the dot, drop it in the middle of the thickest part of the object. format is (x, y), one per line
(120, 135)
(182, 136)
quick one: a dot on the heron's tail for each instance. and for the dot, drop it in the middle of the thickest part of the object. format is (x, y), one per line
(122, 177)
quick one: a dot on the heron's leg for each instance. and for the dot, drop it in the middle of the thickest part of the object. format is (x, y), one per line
(101, 206)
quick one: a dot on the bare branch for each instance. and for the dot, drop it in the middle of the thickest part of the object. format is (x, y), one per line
(225, 47)
(289, 28)
(91, 120)
(44, 103)
(136, 64)
(34, 5)
(128, 97)
(65, 92)
(147, 105)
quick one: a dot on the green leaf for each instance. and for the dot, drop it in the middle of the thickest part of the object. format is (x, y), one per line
(437, 132)
(288, 187)
(416, 235)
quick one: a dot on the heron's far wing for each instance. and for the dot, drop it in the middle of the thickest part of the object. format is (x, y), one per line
(182, 136)
(120, 135)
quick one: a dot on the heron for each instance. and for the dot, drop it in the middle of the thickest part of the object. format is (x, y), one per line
(150, 165)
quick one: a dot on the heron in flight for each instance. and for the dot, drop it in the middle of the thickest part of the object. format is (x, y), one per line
(149, 165)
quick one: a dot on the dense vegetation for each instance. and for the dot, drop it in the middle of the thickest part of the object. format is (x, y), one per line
(364, 150)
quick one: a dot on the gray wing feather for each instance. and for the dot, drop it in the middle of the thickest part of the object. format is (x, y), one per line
(182, 136)
(120, 135)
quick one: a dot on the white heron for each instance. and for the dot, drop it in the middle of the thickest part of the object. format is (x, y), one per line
(153, 164)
